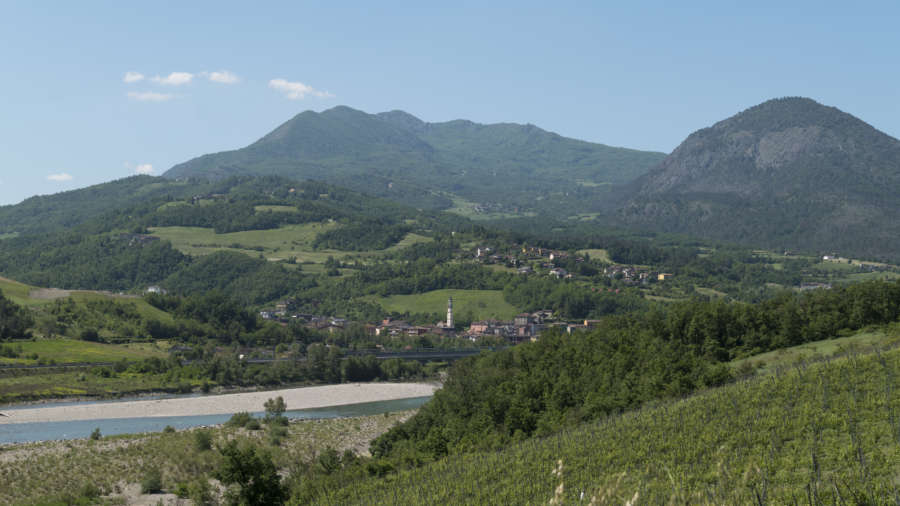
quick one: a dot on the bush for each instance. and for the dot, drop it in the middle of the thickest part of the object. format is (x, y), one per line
(95, 435)
(89, 491)
(169, 429)
(252, 474)
(253, 424)
(275, 409)
(152, 482)
(240, 419)
(203, 440)
(200, 492)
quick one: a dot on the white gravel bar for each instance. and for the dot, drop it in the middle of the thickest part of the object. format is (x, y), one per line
(295, 398)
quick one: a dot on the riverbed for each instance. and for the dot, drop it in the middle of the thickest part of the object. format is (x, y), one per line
(79, 419)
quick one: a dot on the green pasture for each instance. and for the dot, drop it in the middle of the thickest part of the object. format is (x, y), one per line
(70, 350)
(15, 291)
(466, 209)
(596, 254)
(29, 296)
(275, 244)
(481, 304)
(709, 292)
(275, 209)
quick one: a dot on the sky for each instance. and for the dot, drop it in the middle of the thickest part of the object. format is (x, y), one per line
(96, 91)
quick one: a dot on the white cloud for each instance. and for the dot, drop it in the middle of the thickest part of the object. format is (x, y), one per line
(132, 77)
(144, 168)
(61, 177)
(149, 96)
(222, 76)
(174, 79)
(297, 90)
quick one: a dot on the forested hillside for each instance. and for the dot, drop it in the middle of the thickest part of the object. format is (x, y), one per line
(786, 174)
(504, 167)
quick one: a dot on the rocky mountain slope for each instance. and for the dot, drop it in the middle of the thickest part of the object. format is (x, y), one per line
(788, 173)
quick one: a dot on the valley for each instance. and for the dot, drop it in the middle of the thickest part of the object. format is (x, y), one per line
(615, 313)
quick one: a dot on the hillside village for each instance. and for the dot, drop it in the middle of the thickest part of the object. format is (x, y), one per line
(525, 260)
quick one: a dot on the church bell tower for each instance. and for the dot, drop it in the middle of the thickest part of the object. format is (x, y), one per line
(450, 313)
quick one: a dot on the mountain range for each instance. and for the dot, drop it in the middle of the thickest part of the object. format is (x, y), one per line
(502, 167)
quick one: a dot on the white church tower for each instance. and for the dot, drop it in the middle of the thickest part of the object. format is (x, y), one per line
(450, 313)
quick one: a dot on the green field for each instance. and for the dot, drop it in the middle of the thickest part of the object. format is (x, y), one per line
(466, 209)
(15, 291)
(30, 296)
(709, 292)
(70, 350)
(275, 244)
(275, 209)
(596, 254)
(481, 304)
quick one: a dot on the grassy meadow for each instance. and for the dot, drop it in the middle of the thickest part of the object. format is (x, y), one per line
(30, 296)
(62, 351)
(482, 304)
(596, 254)
(275, 244)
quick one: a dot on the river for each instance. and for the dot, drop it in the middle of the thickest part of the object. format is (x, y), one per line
(43, 431)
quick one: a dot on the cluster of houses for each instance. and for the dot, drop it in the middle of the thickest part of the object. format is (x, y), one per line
(138, 239)
(633, 275)
(525, 326)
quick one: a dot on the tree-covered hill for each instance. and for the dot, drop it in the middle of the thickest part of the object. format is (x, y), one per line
(787, 174)
(816, 434)
(122, 235)
(398, 156)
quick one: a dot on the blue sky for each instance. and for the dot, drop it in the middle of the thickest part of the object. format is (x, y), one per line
(210, 76)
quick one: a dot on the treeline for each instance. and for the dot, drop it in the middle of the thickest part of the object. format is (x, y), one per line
(14, 320)
(361, 236)
(106, 262)
(322, 364)
(537, 388)
(250, 280)
(225, 217)
(569, 300)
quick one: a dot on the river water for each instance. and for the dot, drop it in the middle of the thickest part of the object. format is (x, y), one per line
(43, 431)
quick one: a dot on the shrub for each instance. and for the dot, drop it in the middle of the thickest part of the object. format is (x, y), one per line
(151, 483)
(95, 435)
(252, 474)
(240, 419)
(169, 429)
(202, 440)
(200, 492)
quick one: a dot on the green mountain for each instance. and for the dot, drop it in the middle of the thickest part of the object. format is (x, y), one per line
(502, 167)
(789, 173)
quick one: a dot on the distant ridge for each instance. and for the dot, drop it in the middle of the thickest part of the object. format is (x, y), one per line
(396, 155)
(787, 173)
